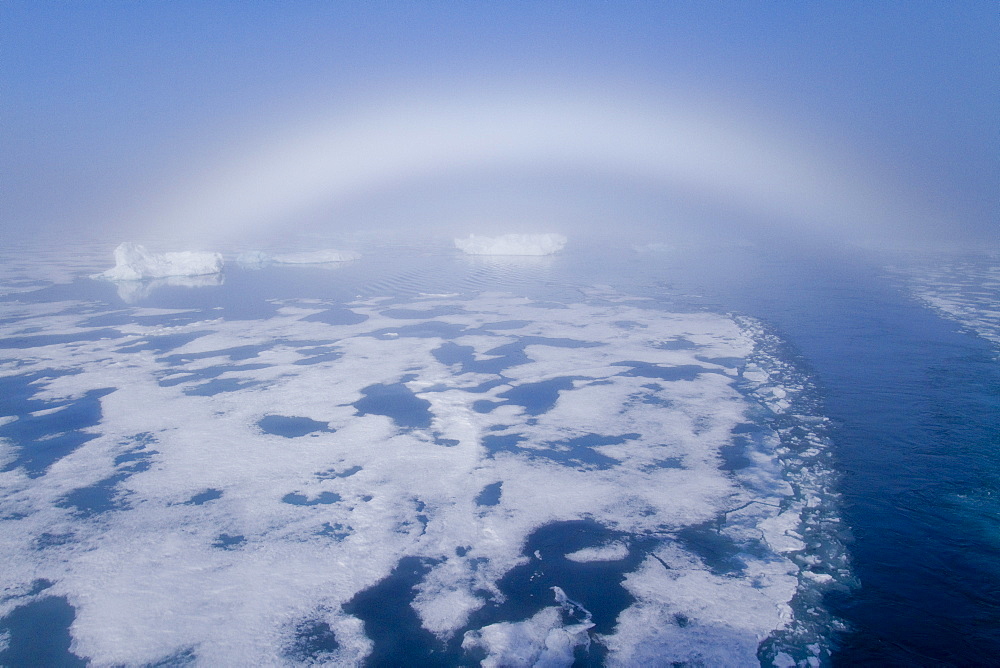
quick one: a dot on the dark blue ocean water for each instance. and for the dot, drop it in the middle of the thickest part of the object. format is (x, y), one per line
(915, 403)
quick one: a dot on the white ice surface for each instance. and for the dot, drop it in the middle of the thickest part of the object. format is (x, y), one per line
(543, 641)
(253, 259)
(147, 582)
(316, 257)
(685, 614)
(615, 551)
(512, 244)
(134, 263)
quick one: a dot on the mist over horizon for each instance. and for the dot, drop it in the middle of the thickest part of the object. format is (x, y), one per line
(858, 125)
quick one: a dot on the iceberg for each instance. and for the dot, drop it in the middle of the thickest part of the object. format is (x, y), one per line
(134, 263)
(255, 259)
(512, 244)
(316, 257)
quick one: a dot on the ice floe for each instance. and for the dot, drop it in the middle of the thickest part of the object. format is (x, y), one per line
(610, 552)
(512, 244)
(316, 257)
(326, 256)
(546, 639)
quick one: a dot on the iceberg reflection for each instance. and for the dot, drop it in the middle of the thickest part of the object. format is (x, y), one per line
(131, 292)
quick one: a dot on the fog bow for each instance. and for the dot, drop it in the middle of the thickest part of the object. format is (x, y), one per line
(718, 157)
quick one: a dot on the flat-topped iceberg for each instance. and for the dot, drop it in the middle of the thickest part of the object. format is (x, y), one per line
(134, 263)
(316, 257)
(512, 244)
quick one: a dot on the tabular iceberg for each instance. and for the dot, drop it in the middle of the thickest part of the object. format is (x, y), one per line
(512, 244)
(134, 263)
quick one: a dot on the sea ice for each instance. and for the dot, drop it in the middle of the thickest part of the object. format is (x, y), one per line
(253, 259)
(543, 640)
(208, 492)
(260, 258)
(964, 289)
(316, 257)
(512, 244)
(610, 552)
(134, 263)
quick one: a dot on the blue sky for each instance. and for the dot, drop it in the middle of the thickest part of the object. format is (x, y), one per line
(108, 105)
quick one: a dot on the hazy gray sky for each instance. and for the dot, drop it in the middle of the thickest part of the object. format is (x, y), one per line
(872, 119)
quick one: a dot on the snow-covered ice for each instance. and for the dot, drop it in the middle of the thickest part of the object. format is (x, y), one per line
(610, 552)
(245, 534)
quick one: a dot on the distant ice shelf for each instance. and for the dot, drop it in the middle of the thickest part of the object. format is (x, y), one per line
(134, 263)
(512, 244)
